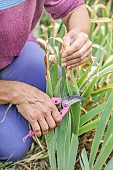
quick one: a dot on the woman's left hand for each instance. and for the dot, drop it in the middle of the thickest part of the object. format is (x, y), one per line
(78, 49)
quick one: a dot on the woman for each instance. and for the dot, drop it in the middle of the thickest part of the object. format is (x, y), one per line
(22, 69)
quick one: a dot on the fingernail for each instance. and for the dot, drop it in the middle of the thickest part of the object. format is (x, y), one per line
(64, 64)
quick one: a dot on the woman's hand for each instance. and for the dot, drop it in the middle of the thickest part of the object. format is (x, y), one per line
(78, 49)
(36, 107)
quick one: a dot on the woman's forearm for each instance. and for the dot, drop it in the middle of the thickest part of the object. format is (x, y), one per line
(6, 91)
(78, 46)
(78, 20)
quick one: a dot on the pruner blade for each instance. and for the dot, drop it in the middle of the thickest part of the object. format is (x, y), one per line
(75, 99)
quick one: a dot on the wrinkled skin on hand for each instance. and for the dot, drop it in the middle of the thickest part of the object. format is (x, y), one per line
(78, 49)
(37, 108)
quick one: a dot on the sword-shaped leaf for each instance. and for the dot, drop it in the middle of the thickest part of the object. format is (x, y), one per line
(61, 136)
(84, 160)
(109, 130)
(51, 149)
(83, 77)
(81, 164)
(72, 152)
(50, 136)
(100, 129)
(61, 133)
(75, 108)
(109, 165)
(89, 126)
(57, 89)
(104, 154)
(89, 89)
(90, 114)
(54, 75)
(68, 140)
(105, 89)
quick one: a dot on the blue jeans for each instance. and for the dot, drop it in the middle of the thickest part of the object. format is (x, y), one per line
(29, 68)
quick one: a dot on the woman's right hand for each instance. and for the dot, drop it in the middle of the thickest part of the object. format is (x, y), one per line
(37, 107)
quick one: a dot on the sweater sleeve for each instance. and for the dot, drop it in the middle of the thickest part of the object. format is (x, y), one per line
(60, 8)
(32, 38)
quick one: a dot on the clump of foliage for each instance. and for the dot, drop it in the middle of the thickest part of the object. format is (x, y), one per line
(93, 81)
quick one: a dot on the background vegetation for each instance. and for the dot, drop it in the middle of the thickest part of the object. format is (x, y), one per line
(85, 139)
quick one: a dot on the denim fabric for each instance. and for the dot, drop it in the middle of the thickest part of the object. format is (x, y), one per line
(29, 68)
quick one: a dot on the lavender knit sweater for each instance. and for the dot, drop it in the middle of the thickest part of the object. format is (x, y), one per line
(16, 23)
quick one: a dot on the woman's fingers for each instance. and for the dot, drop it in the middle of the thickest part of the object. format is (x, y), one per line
(57, 117)
(78, 51)
(88, 53)
(87, 47)
(80, 60)
(36, 128)
(79, 55)
(50, 121)
(80, 40)
(43, 125)
(67, 40)
(79, 63)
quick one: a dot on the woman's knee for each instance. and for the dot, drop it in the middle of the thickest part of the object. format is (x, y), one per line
(12, 131)
(14, 152)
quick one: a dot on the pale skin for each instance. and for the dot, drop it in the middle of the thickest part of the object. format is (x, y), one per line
(35, 105)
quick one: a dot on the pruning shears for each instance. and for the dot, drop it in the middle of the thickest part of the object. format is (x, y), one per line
(65, 102)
